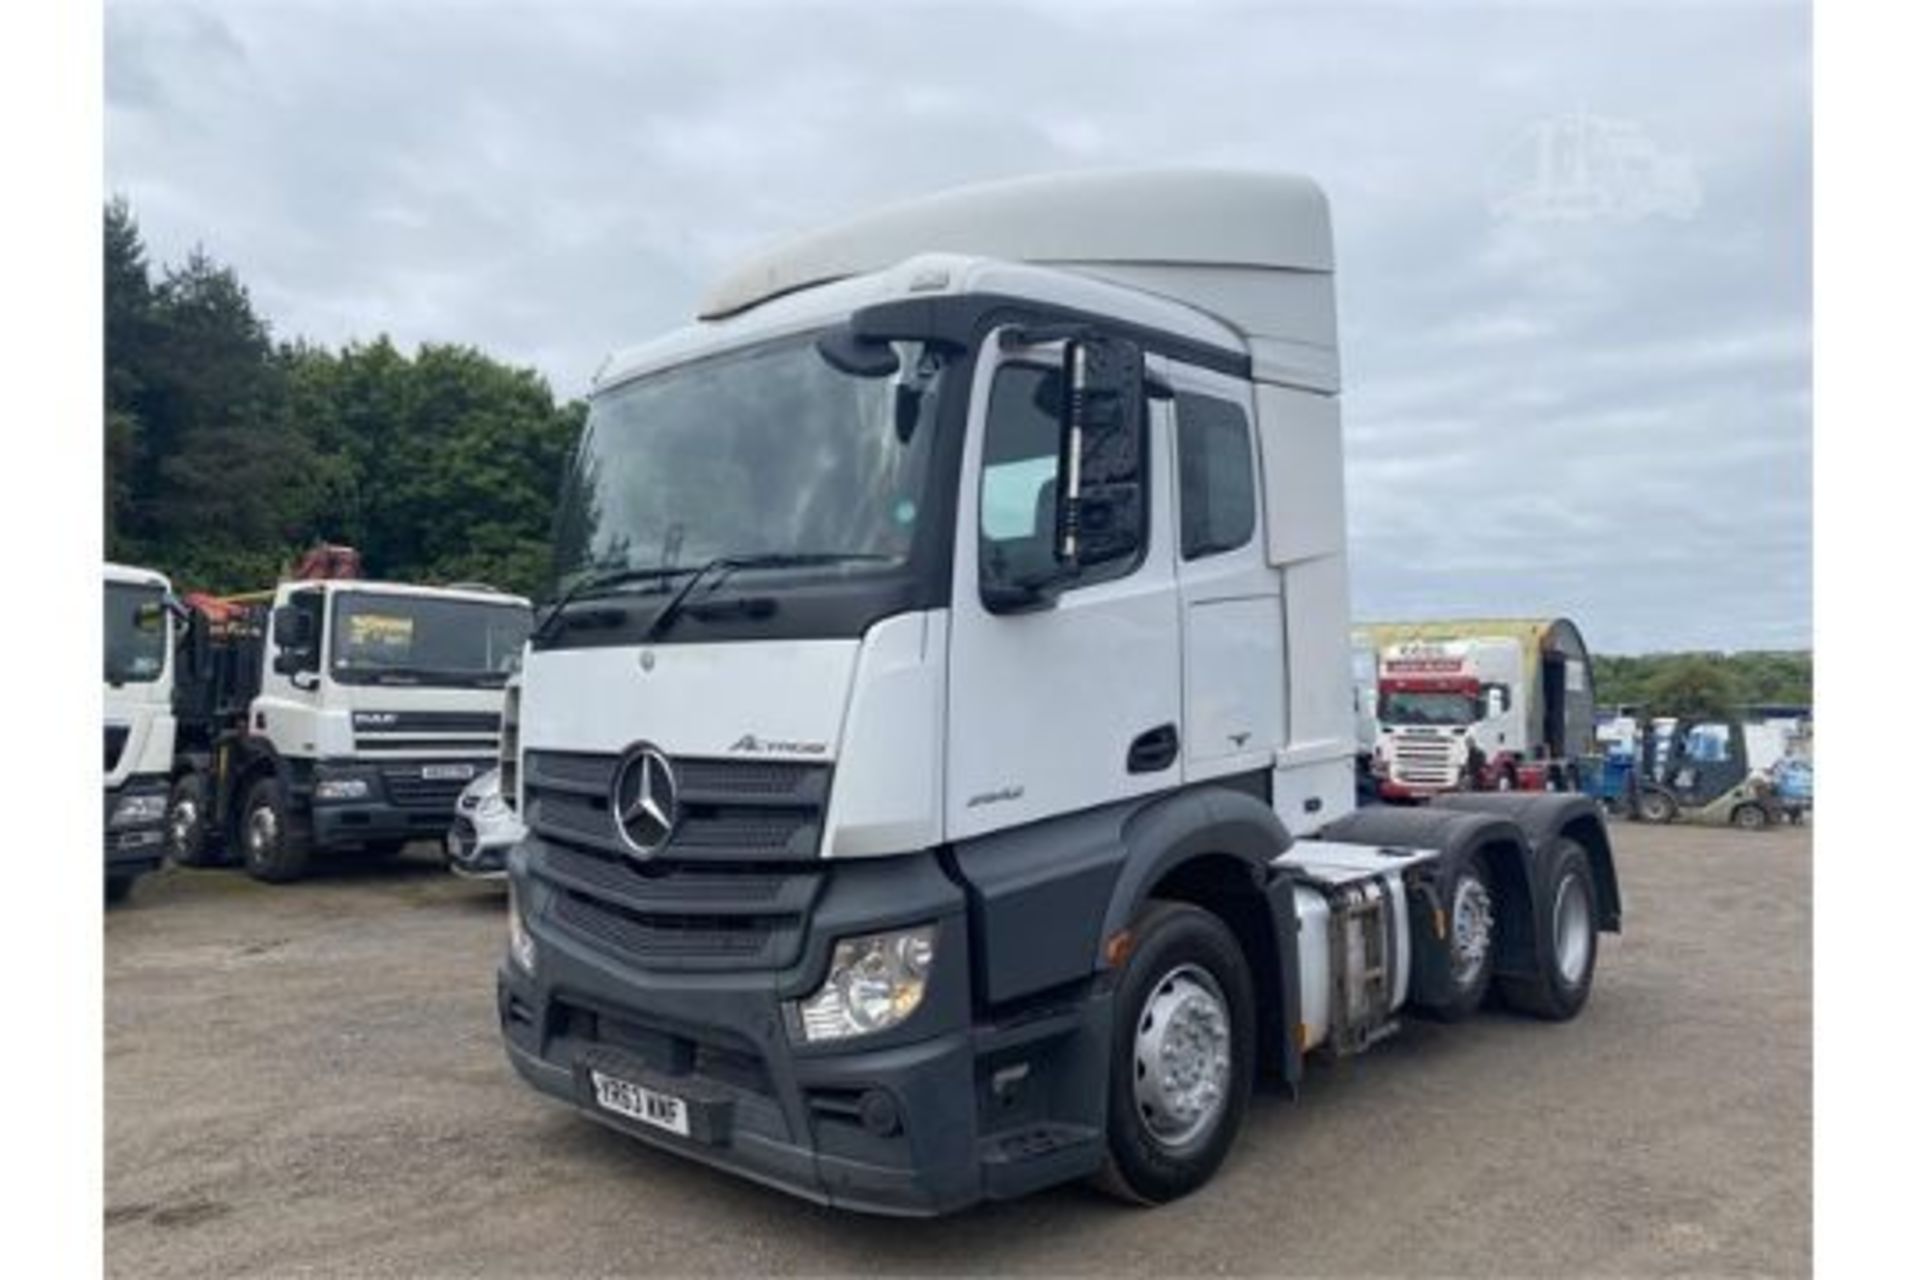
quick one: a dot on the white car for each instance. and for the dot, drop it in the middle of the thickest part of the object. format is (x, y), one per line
(485, 827)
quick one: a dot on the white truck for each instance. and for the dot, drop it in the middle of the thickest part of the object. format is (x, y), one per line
(138, 704)
(938, 762)
(1499, 705)
(335, 714)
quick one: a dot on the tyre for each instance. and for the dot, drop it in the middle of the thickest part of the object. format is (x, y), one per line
(1470, 942)
(187, 822)
(119, 888)
(1750, 817)
(1182, 1062)
(1560, 989)
(1657, 806)
(274, 848)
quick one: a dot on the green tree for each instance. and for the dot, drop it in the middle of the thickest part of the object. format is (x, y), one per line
(1695, 686)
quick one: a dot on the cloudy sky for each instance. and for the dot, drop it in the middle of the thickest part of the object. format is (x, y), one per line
(1573, 239)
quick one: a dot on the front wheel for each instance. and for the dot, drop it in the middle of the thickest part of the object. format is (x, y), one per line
(1750, 817)
(1182, 1057)
(187, 821)
(1657, 806)
(274, 849)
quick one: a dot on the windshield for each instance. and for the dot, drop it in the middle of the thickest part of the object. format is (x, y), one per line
(1417, 707)
(767, 450)
(136, 633)
(394, 639)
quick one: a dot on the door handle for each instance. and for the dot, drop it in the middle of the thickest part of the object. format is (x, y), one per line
(1154, 750)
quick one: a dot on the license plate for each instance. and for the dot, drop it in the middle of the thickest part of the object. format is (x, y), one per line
(446, 772)
(636, 1102)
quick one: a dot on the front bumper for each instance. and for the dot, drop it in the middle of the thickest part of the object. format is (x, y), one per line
(142, 847)
(928, 1117)
(400, 803)
(468, 857)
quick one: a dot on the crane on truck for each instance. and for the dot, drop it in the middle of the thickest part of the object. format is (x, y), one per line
(938, 771)
(1480, 705)
(331, 713)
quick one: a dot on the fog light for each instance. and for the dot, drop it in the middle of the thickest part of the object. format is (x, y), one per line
(340, 789)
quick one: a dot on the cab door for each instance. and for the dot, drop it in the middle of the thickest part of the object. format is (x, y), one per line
(1232, 616)
(1075, 704)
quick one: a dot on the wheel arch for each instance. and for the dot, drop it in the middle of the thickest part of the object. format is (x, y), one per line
(1213, 848)
(1546, 819)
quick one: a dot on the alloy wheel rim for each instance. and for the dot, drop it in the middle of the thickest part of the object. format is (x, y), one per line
(1572, 929)
(1182, 1057)
(1472, 929)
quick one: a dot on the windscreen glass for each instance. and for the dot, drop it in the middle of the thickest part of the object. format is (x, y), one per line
(395, 639)
(1424, 707)
(769, 450)
(136, 633)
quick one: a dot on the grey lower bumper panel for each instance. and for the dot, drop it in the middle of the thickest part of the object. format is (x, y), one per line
(933, 1116)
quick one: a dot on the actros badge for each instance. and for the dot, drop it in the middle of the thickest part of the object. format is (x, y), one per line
(645, 803)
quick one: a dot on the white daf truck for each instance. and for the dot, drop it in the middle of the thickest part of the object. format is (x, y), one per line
(335, 714)
(938, 763)
(138, 705)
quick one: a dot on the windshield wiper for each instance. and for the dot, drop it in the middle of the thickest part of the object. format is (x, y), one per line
(720, 566)
(600, 581)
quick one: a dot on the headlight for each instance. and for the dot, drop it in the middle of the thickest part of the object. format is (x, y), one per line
(874, 982)
(519, 942)
(134, 811)
(340, 789)
(491, 806)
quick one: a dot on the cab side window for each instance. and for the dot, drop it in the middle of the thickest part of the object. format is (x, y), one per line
(1017, 501)
(1216, 476)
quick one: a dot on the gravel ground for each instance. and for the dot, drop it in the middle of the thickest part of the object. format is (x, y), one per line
(307, 1080)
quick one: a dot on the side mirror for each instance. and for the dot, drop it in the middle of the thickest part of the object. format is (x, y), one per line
(1496, 702)
(855, 355)
(1101, 515)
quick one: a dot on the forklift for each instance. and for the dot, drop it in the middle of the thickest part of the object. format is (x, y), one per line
(1703, 777)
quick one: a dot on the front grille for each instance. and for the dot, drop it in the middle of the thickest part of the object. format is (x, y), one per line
(407, 789)
(728, 810)
(1424, 762)
(116, 743)
(684, 915)
(426, 730)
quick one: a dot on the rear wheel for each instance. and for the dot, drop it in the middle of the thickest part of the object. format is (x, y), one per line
(274, 849)
(1470, 941)
(1750, 817)
(1182, 1057)
(1560, 988)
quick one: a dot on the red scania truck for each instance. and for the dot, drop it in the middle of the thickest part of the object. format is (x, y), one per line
(1480, 705)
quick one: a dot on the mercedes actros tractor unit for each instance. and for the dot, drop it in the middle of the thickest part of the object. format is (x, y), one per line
(938, 757)
(138, 646)
(334, 714)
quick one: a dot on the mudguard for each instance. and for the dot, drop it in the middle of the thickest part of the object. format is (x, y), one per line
(1455, 836)
(1546, 817)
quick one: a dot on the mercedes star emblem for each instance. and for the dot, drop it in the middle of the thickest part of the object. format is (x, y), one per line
(644, 803)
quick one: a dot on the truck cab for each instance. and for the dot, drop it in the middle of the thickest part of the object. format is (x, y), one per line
(1451, 715)
(137, 694)
(339, 714)
(938, 760)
